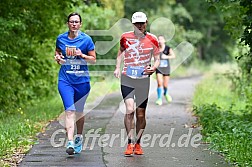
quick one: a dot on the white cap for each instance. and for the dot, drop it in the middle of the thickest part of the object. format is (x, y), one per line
(138, 17)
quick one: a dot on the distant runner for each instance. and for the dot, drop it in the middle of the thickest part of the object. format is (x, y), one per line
(164, 70)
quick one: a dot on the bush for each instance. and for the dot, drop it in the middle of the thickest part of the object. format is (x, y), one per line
(227, 132)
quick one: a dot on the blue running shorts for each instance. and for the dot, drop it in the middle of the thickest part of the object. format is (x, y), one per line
(73, 96)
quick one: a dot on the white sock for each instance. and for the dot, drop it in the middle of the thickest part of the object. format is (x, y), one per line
(79, 135)
(70, 141)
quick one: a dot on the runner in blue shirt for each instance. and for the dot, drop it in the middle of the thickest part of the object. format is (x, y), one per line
(73, 50)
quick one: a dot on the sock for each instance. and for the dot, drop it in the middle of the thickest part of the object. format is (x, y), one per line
(130, 141)
(159, 92)
(79, 135)
(70, 141)
(138, 141)
(165, 91)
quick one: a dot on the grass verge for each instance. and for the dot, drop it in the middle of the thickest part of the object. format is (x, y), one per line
(19, 130)
(227, 124)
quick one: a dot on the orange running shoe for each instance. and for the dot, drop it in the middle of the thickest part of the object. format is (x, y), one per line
(138, 149)
(129, 150)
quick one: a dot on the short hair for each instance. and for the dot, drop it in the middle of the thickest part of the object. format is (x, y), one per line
(74, 14)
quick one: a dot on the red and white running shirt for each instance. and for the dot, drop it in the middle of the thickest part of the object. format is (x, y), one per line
(138, 51)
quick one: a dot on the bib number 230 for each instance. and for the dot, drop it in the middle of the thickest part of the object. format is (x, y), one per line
(75, 67)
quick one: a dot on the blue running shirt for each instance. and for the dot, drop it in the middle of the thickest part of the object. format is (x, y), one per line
(75, 69)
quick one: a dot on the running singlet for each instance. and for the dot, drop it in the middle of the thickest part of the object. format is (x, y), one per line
(138, 52)
(164, 62)
(74, 70)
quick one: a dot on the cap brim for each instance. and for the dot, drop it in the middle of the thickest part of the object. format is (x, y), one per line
(139, 21)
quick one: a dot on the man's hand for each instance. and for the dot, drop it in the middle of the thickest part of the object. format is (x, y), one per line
(117, 72)
(149, 70)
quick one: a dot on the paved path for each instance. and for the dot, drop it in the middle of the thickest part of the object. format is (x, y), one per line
(169, 139)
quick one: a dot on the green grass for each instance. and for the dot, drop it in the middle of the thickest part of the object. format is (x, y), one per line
(226, 122)
(217, 89)
(185, 70)
(103, 87)
(19, 130)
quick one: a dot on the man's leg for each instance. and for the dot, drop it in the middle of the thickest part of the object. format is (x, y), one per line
(140, 126)
(129, 125)
(128, 93)
(129, 118)
(142, 94)
(140, 123)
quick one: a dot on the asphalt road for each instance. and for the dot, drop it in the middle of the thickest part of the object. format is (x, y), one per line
(170, 138)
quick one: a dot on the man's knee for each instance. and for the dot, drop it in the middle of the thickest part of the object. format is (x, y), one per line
(129, 114)
(140, 113)
(130, 109)
(140, 116)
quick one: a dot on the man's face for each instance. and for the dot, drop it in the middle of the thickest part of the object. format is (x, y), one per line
(140, 26)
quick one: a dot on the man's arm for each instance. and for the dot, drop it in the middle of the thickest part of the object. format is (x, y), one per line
(118, 62)
(156, 61)
(152, 69)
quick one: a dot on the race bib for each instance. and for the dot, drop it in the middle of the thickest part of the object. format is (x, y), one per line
(163, 63)
(75, 67)
(134, 71)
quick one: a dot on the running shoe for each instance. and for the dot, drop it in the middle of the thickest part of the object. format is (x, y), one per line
(78, 144)
(159, 102)
(138, 149)
(70, 148)
(168, 98)
(129, 150)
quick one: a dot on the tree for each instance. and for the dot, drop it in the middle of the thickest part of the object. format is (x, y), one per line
(28, 31)
(237, 15)
(215, 43)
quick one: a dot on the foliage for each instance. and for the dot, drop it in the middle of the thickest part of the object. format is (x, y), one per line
(213, 46)
(131, 6)
(225, 116)
(19, 130)
(26, 66)
(228, 133)
(28, 31)
(237, 15)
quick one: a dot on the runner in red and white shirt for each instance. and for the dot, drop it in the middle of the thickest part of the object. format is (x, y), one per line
(136, 50)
